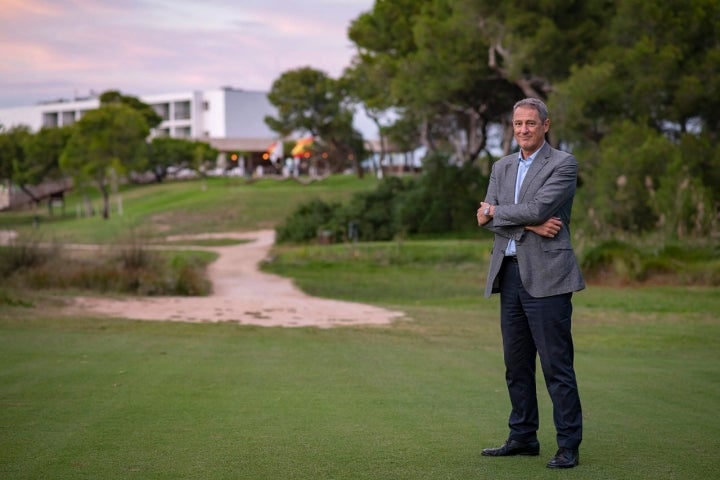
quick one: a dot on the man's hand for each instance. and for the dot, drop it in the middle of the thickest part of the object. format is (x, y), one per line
(482, 216)
(549, 229)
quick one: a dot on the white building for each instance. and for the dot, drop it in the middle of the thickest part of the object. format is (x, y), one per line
(230, 119)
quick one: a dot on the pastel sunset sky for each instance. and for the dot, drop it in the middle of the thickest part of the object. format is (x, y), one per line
(53, 49)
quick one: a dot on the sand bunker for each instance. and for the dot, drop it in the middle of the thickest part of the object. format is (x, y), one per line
(243, 294)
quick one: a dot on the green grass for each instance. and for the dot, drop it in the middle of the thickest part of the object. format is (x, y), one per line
(93, 398)
(85, 397)
(188, 207)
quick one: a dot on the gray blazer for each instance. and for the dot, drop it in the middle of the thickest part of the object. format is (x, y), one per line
(548, 266)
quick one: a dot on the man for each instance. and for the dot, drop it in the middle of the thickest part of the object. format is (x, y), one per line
(533, 267)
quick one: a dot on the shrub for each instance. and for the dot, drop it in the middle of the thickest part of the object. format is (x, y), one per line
(306, 222)
(445, 198)
(189, 277)
(134, 269)
(613, 259)
(375, 213)
(20, 255)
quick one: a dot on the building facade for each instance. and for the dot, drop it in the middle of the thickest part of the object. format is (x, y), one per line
(229, 119)
(222, 113)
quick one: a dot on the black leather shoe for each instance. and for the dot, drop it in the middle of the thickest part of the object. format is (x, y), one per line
(564, 458)
(514, 447)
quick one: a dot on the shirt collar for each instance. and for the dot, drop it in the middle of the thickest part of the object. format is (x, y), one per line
(529, 160)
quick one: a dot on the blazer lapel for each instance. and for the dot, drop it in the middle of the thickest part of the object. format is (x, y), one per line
(541, 159)
(508, 189)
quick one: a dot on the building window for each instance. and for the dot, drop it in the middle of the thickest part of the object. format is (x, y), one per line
(182, 110)
(206, 105)
(182, 132)
(68, 118)
(50, 119)
(162, 109)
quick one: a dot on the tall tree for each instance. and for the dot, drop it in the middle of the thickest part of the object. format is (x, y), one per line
(104, 143)
(164, 152)
(655, 75)
(152, 118)
(12, 151)
(431, 60)
(41, 161)
(308, 101)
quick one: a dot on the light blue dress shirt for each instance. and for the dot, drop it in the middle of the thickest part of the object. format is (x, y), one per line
(523, 167)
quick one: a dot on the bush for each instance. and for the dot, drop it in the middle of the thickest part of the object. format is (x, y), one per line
(375, 213)
(306, 222)
(21, 255)
(613, 259)
(443, 200)
(189, 277)
(619, 262)
(134, 270)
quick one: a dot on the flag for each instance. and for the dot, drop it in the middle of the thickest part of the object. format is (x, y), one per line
(302, 147)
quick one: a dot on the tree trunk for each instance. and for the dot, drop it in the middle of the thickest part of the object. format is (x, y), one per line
(106, 201)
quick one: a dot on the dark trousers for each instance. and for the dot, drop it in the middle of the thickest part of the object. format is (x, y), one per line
(534, 327)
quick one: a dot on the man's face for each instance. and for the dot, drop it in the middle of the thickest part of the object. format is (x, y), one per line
(529, 131)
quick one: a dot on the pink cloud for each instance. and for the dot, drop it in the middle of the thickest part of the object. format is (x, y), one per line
(153, 46)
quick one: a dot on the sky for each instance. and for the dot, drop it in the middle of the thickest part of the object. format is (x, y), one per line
(65, 49)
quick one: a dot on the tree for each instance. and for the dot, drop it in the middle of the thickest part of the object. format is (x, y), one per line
(164, 152)
(104, 143)
(152, 118)
(308, 101)
(429, 60)
(42, 156)
(364, 84)
(655, 74)
(535, 44)
(12, 151)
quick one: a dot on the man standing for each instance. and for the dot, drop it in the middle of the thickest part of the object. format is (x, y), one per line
(533, 267)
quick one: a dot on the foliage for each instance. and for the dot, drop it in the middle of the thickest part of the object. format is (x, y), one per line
(308, 101)
(370, 215)
(613, 259)
(649, 84)
(152, 118)
(24, 255)
(105, 142)
(12, 152)
(607, 69)
(164, 152)
(42, 155)
(444, 199)
(437, 203)
(374, 214)
(130, 269)
(306, 222)
(436, 40)
(619, 262)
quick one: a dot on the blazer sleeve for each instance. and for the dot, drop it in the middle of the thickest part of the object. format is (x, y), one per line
(557, 182)
(514, 232)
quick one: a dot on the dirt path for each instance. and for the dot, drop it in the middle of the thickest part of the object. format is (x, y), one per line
(243, 294)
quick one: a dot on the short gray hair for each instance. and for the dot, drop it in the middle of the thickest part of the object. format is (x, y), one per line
(535, 103)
